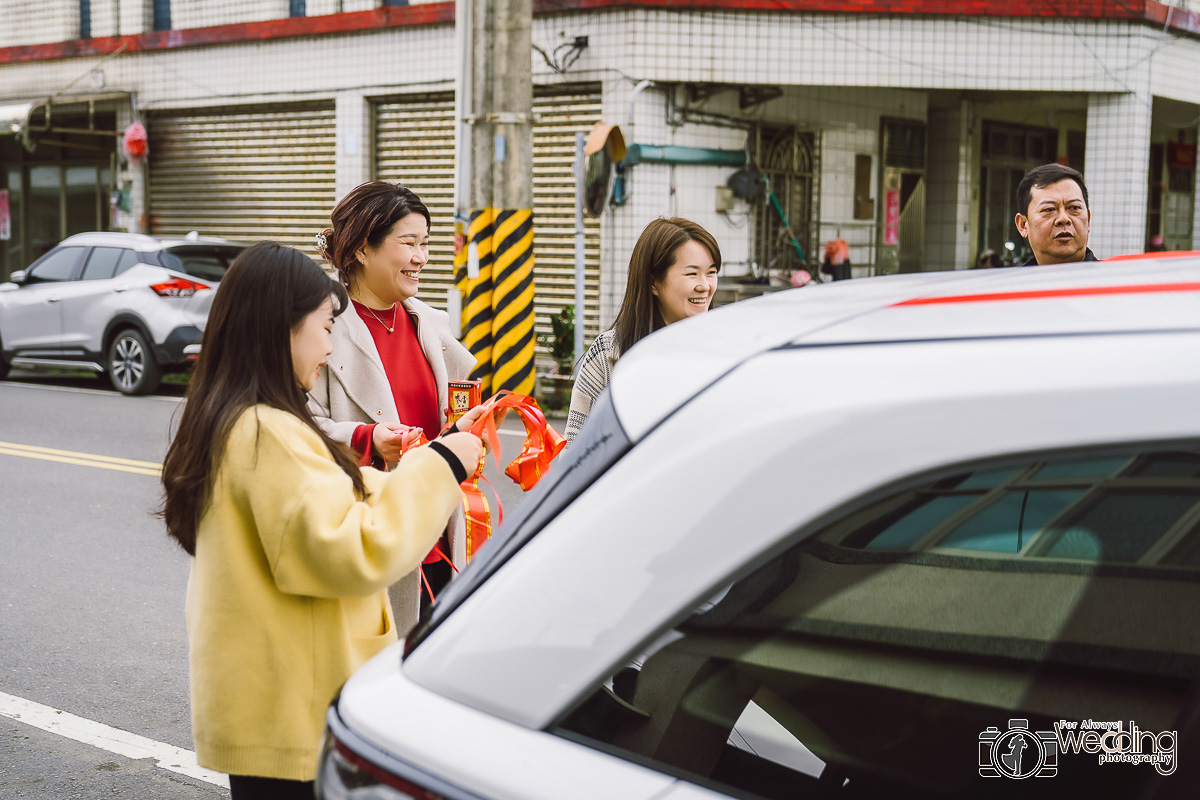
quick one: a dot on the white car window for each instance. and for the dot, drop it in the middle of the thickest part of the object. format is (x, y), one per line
(128, 259)
(891, 650)
(57, 266)
(102, 263)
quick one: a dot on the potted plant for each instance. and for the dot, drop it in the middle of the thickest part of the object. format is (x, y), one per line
(555, 387)
(561, 341)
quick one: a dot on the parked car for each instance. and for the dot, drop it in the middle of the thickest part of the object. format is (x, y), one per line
(126, 305)
(871, 539)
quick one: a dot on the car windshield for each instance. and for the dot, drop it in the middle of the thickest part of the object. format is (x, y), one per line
(206, 262)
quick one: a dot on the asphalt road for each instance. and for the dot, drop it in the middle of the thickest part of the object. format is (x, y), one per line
(92, 591)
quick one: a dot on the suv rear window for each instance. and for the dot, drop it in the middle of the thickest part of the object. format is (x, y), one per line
(941, 641)
(200, 261)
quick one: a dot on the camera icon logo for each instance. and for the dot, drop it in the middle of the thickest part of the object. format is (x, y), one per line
(1018, 752)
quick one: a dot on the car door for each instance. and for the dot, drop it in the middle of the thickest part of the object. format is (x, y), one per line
(87, 303)
(31, 316)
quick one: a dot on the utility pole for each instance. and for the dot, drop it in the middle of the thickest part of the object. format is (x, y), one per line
(495, 270)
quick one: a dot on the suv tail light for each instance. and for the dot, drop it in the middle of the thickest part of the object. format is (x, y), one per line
(344, 773)
(178, 287)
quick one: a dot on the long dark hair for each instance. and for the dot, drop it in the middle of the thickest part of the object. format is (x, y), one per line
(652, 256)
(366, 216)
(245, 360)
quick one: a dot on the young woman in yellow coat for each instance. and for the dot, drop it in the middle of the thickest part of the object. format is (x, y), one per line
(294, 543)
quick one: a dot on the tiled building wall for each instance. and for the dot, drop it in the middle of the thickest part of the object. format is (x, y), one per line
(1118, 154)
(354, 156)
(841, 76)
(203, 13)
(853, 50)
(23, 22)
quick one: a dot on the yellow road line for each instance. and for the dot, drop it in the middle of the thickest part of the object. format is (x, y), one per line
(81, 459)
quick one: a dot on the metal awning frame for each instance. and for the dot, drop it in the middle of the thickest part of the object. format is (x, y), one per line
(18, 118)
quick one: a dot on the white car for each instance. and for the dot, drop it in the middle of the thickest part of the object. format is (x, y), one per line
(917, 536)
(121, 304)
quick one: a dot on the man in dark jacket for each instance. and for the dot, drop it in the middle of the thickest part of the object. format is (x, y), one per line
(1054, 215)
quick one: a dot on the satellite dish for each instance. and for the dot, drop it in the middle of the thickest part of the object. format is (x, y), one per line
(748, 184)
(605, 147)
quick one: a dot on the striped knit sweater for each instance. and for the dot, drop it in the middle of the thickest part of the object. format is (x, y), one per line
(595, 369)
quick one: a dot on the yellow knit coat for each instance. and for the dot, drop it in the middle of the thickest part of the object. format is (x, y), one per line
(287, 594)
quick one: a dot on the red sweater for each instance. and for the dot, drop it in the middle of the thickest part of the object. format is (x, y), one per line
(409, 374)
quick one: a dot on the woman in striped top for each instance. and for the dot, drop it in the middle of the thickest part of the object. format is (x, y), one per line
(672, 276)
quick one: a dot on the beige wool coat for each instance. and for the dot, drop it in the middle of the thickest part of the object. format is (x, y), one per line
(354, 390)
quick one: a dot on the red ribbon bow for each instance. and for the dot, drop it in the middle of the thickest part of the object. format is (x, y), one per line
(542, 445)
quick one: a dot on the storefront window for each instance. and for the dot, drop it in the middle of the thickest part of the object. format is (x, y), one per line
(10, 248)
(45, 213)
(82, 200)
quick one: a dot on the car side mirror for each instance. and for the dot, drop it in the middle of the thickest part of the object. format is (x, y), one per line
(13, 282)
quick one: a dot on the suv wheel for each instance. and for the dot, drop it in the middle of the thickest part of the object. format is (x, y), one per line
(131, 365)
(3, 363)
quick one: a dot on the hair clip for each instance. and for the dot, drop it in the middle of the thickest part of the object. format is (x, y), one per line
(322, 242)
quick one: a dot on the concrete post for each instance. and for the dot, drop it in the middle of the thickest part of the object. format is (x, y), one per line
(354, 147)
(1117, 163)
(497, 278)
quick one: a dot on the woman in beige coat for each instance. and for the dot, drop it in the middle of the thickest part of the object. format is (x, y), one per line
(392, 356)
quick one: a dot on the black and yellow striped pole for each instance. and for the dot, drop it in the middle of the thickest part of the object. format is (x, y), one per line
(495, 270)
(473, 277)
(512, 301)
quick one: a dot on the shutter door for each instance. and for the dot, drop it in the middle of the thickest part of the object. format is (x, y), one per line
(414, 144)
(561, 112)
(245, 175)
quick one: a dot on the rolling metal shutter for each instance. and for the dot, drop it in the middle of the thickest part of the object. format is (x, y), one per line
(414, 144)
(245, 174)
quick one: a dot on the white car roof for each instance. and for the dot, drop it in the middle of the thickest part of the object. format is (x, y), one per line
(756, 422)
(1091, 297)
(138, 241)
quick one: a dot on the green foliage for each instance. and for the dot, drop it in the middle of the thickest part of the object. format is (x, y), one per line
(561, 342)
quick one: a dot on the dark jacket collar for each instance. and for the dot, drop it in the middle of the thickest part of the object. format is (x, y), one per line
(1087, 256)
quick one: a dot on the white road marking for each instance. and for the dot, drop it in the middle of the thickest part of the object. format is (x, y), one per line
(74, 390)
(96, 734)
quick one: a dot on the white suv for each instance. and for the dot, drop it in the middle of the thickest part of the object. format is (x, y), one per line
(126, 305)
(917, 536)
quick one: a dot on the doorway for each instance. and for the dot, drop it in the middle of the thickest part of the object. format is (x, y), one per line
(1008, 152)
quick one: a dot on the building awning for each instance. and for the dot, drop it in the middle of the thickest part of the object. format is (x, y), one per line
(16, 119)
(30, 120)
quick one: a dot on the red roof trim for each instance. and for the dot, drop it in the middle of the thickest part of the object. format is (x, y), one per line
(1146, 11)
(1154, 255)
(1041, 294)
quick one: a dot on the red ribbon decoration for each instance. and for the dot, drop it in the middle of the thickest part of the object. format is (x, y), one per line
(542, 445)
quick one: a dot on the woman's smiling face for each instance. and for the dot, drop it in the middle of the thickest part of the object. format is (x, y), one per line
(311, 345)
(392, 271)
(689, 285)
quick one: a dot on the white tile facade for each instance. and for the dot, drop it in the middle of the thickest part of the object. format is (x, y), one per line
(841, 76)
(353, 113)
(1118, 155)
